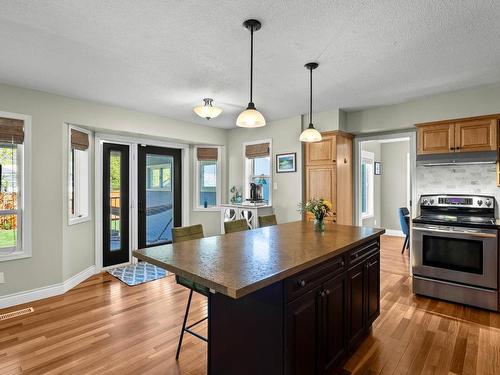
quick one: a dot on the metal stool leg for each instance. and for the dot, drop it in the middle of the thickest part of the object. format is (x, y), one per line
(184, 325)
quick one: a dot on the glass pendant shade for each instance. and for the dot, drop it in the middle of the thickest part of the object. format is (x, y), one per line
(207, 111)
(250, 118)
(310, 135)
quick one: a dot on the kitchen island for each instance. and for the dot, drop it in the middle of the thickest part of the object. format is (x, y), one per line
(285, 299)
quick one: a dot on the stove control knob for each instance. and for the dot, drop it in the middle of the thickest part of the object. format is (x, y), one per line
(432, 201)
(488, 202)
(425, 202)
(479, 202)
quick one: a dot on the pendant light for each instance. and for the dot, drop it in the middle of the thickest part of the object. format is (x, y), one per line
(250, 117)
(207, 111)
(310, 134)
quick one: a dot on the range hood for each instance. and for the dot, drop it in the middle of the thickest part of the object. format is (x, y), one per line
(457, 158)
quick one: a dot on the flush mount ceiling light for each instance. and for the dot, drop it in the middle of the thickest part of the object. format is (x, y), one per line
(207, 111)
(310, 134)
(250, 117)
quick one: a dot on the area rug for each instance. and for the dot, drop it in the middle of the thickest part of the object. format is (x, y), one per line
(139, 273)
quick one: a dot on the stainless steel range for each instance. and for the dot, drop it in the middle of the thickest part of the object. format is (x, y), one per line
(455, 249)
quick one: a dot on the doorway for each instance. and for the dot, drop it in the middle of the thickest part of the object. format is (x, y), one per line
(385, 169)
(159, 194)
(115, 204)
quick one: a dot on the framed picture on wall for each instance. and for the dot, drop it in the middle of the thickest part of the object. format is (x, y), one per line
(286, 163)
(377, 168)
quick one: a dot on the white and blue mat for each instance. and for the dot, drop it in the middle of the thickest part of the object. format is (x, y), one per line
(139, 273)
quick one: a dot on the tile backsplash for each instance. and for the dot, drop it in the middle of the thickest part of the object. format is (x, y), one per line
(477, 179)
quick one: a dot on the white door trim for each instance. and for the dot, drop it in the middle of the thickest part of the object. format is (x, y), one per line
(133, 142)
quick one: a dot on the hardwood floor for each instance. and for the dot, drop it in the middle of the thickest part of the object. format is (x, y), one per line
(106, 327)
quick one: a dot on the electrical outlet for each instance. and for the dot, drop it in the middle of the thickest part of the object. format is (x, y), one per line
(374, 222)
(275, 186)
(2, 278)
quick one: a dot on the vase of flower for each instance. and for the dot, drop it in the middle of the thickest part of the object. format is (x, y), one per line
(320, 208)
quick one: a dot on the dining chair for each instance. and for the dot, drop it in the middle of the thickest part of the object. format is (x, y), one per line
(235, 226)
(193, 232)
(404, 217)
(267, 220)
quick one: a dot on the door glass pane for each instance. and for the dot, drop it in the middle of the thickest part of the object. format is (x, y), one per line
(159, 198)
(453, 254)
(115, 160)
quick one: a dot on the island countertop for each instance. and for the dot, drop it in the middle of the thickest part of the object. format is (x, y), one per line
(240, 263)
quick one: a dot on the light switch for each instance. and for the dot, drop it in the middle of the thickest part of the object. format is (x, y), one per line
(275, 186)
(2, 278)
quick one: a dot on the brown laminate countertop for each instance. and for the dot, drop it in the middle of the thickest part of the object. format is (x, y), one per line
(237, 264)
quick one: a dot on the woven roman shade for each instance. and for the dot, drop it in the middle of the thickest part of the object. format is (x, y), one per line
(260, 150)
(79, 140)
(11, 130)
(206, 153)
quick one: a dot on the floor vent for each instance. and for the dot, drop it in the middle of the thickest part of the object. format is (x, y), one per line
(15, 314)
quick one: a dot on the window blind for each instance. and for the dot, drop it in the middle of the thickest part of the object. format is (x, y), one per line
(260, 150)
(79, 140)
(206, 153)
(11, 130)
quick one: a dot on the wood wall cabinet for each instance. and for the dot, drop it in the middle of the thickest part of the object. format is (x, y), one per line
(329, 174)
(463, 135)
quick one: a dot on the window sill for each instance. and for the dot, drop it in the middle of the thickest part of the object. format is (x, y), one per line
(14, 256)
(78, 220)
(208, 209)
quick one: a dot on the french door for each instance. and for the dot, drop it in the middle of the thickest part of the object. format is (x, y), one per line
(115, 189)
(159, 194)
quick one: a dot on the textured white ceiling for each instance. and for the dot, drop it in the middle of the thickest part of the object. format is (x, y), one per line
(165, 56)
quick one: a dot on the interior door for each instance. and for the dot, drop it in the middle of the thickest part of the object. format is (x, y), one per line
(159, 194)
(115, 204)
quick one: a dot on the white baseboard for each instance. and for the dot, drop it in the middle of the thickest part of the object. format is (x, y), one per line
(47, 291)
(396, 233)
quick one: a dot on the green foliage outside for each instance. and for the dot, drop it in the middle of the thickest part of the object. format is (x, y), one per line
(115, 171)
(7, 238)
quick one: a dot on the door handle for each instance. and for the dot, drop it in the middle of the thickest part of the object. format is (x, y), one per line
(471, 234)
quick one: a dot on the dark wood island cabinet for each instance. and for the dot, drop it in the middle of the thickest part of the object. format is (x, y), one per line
(286, 299)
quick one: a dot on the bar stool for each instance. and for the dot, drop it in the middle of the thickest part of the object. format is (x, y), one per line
(267, 220)
(235, 226)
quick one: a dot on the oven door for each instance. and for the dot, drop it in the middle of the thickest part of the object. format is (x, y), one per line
(463, 255)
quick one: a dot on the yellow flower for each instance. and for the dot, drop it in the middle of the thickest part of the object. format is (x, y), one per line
(328, 204)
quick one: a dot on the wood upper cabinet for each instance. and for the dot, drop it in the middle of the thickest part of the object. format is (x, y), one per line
(476, 135)
(466, 135)
(329, 174)
(322, 152)
(436, 139)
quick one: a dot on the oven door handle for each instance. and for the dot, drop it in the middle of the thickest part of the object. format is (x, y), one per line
(471, 234)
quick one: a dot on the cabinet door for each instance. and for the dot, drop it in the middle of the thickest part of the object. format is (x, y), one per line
(322, 152)
(355, 304)
(372, 274)
(476, 135)
(302, 334)
(321, 183)
(436, 139)
(334, 323)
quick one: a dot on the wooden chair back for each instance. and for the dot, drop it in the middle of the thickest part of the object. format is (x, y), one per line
(192, 232)
(235, 226)
(267, 220)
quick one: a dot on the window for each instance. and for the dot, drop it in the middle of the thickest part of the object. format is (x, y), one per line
(78, 176)
(14, 187)
(159, 176)
(258, 169)
(367, 186)
(207, 171)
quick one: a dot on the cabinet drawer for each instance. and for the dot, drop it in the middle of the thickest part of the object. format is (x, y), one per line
(301, 283)
(360, 253)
